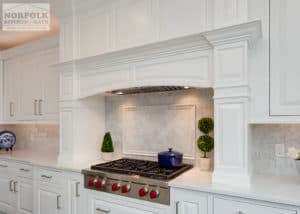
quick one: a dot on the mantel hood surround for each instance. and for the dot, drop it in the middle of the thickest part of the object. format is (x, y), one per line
(185, 61)
(216, 58)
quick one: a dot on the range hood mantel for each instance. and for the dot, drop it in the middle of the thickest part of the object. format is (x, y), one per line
(176, 62)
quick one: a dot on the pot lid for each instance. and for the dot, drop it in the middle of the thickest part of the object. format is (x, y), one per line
(170, 152)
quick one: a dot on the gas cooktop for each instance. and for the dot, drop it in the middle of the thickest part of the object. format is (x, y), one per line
(139, 179)
(148, 169)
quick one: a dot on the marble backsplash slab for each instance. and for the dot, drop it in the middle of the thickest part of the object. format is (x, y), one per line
(37, 138)
(156, 107)
(264, 139)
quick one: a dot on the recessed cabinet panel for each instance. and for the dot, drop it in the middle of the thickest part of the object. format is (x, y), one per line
(227, 206)
(133, 23)
(284, 58)
(179, 18)
(94, 33)
(25, 198)
(11, 83)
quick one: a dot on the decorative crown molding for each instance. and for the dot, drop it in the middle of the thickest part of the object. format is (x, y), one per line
(249, 31)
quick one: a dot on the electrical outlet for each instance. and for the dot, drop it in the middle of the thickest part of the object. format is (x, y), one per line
(279, 150)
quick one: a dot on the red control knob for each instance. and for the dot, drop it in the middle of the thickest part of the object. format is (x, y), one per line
(91, 183)
(125, 188)
(115, 187)
(143, 192)
(98, 184)
(154, 194)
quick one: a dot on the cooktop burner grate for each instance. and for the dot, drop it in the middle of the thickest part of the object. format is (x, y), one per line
(149, 169)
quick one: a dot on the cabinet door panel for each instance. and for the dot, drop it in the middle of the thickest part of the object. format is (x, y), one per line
(49, 200)
(48, 101)
(133, 23)
(11, 83)
(284, 60)
(179, 18)
(29, 88)
(25, 198)
(190, 202)
(5, 196)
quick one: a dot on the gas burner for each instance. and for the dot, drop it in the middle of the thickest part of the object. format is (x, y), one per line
(149, 169)
(140, 179)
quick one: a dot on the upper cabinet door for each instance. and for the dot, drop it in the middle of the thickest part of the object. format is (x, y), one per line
(48, 101)
(284, 58)
(180, 18)
(11, 83)
(30, 85)
(134, 23)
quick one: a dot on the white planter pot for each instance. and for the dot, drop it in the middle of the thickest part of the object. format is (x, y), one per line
(205, 164)
(107, 156)
(298, 165)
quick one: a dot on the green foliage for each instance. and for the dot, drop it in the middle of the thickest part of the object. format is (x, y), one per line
(206, 125)
(107, 144)
(205, 144)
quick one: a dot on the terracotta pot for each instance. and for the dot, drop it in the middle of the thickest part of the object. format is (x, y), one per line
(107, 156)
(205, 164)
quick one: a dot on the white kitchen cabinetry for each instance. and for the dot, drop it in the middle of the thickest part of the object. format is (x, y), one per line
(116, 25)
(11, 78)
(49, 199)
(228, 206)
(284, 60)
(100, 203)
(189, 202)
(76, 194)
(50, 192)
(23, 196)
(6, 189)
(39, 87)
(31, 85)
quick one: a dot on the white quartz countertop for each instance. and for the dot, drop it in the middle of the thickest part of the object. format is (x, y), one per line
(45, 160)
(284, 190)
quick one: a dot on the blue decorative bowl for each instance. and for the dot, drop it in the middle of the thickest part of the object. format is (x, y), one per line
(7, 140)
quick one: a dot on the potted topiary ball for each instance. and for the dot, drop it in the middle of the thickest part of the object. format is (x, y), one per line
(107, 148)
(205, 142)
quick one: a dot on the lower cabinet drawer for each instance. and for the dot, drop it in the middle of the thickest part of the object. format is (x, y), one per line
(228, 206)
(50, 176)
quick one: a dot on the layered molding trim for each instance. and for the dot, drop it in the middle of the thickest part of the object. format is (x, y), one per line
(125, 62)
(38, 45)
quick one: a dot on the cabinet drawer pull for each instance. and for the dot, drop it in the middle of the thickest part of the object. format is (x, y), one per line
(10, 186)
(3, 166)
(46, 176)
(15, 186)
(35, 107)
(240, 212)
(102, 210)
(58, 202)
(77, 189)
(11, 109)
(25, 170)
(40, 107)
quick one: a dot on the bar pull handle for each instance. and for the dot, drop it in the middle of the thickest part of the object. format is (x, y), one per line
(177, 207)
(77, 189)
(102, 210)
(3, 166)
(11, 109)
(46, 176)
(15, 186)
(25, 170)
(40, 107)
(35, 107)
(10, 186)
(58, 202)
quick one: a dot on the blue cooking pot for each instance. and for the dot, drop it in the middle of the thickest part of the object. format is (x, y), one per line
(170, 159)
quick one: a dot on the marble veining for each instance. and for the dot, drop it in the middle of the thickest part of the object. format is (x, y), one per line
(264, 139)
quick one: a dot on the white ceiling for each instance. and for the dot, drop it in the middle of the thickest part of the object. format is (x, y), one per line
(9, 39)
